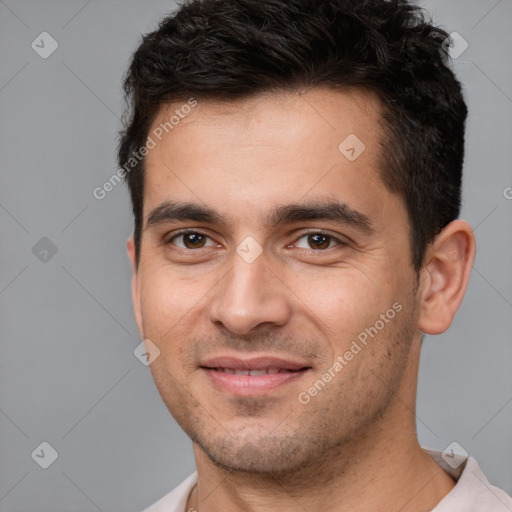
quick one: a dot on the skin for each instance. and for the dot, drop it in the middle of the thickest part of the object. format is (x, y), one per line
(296, 301)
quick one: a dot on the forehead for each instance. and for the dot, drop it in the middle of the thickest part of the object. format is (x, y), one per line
(241, 156)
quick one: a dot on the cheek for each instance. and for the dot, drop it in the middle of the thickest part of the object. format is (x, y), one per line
(345, 300)
(169, 302)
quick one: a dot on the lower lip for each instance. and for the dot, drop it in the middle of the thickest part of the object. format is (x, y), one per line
(250, 385)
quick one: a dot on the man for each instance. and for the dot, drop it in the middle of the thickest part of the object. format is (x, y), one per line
(295, 172)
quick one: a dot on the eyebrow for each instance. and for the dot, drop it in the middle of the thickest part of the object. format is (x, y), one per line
(335, 211)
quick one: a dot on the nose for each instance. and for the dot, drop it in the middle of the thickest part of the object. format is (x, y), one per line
(251, 298)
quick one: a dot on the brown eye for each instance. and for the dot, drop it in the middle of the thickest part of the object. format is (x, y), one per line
(194, 240)
(319, 241)
(191, 240)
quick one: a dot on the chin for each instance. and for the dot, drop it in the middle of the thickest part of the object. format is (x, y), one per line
(267, 456)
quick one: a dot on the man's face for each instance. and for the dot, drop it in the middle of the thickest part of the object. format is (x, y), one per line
(274, 270)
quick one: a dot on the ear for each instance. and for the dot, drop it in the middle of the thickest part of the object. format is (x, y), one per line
(444, 276)
(130, 249)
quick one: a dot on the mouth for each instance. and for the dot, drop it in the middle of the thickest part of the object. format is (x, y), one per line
(267, 371)
(252, 377)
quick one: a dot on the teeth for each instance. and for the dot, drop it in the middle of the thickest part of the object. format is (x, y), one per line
(258, 372)
(270, 371)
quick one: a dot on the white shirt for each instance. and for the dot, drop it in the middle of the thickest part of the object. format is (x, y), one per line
(472, 492)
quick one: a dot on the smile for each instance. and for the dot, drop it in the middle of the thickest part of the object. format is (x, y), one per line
(267, 371)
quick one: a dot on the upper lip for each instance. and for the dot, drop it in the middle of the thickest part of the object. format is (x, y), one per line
(256, 363)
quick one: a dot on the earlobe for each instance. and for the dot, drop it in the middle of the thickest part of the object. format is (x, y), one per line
(130, 249)
(445, 276)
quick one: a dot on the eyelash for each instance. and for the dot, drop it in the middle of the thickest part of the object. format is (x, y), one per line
(318, 232)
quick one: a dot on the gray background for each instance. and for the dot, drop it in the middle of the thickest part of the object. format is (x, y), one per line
(68, 375)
